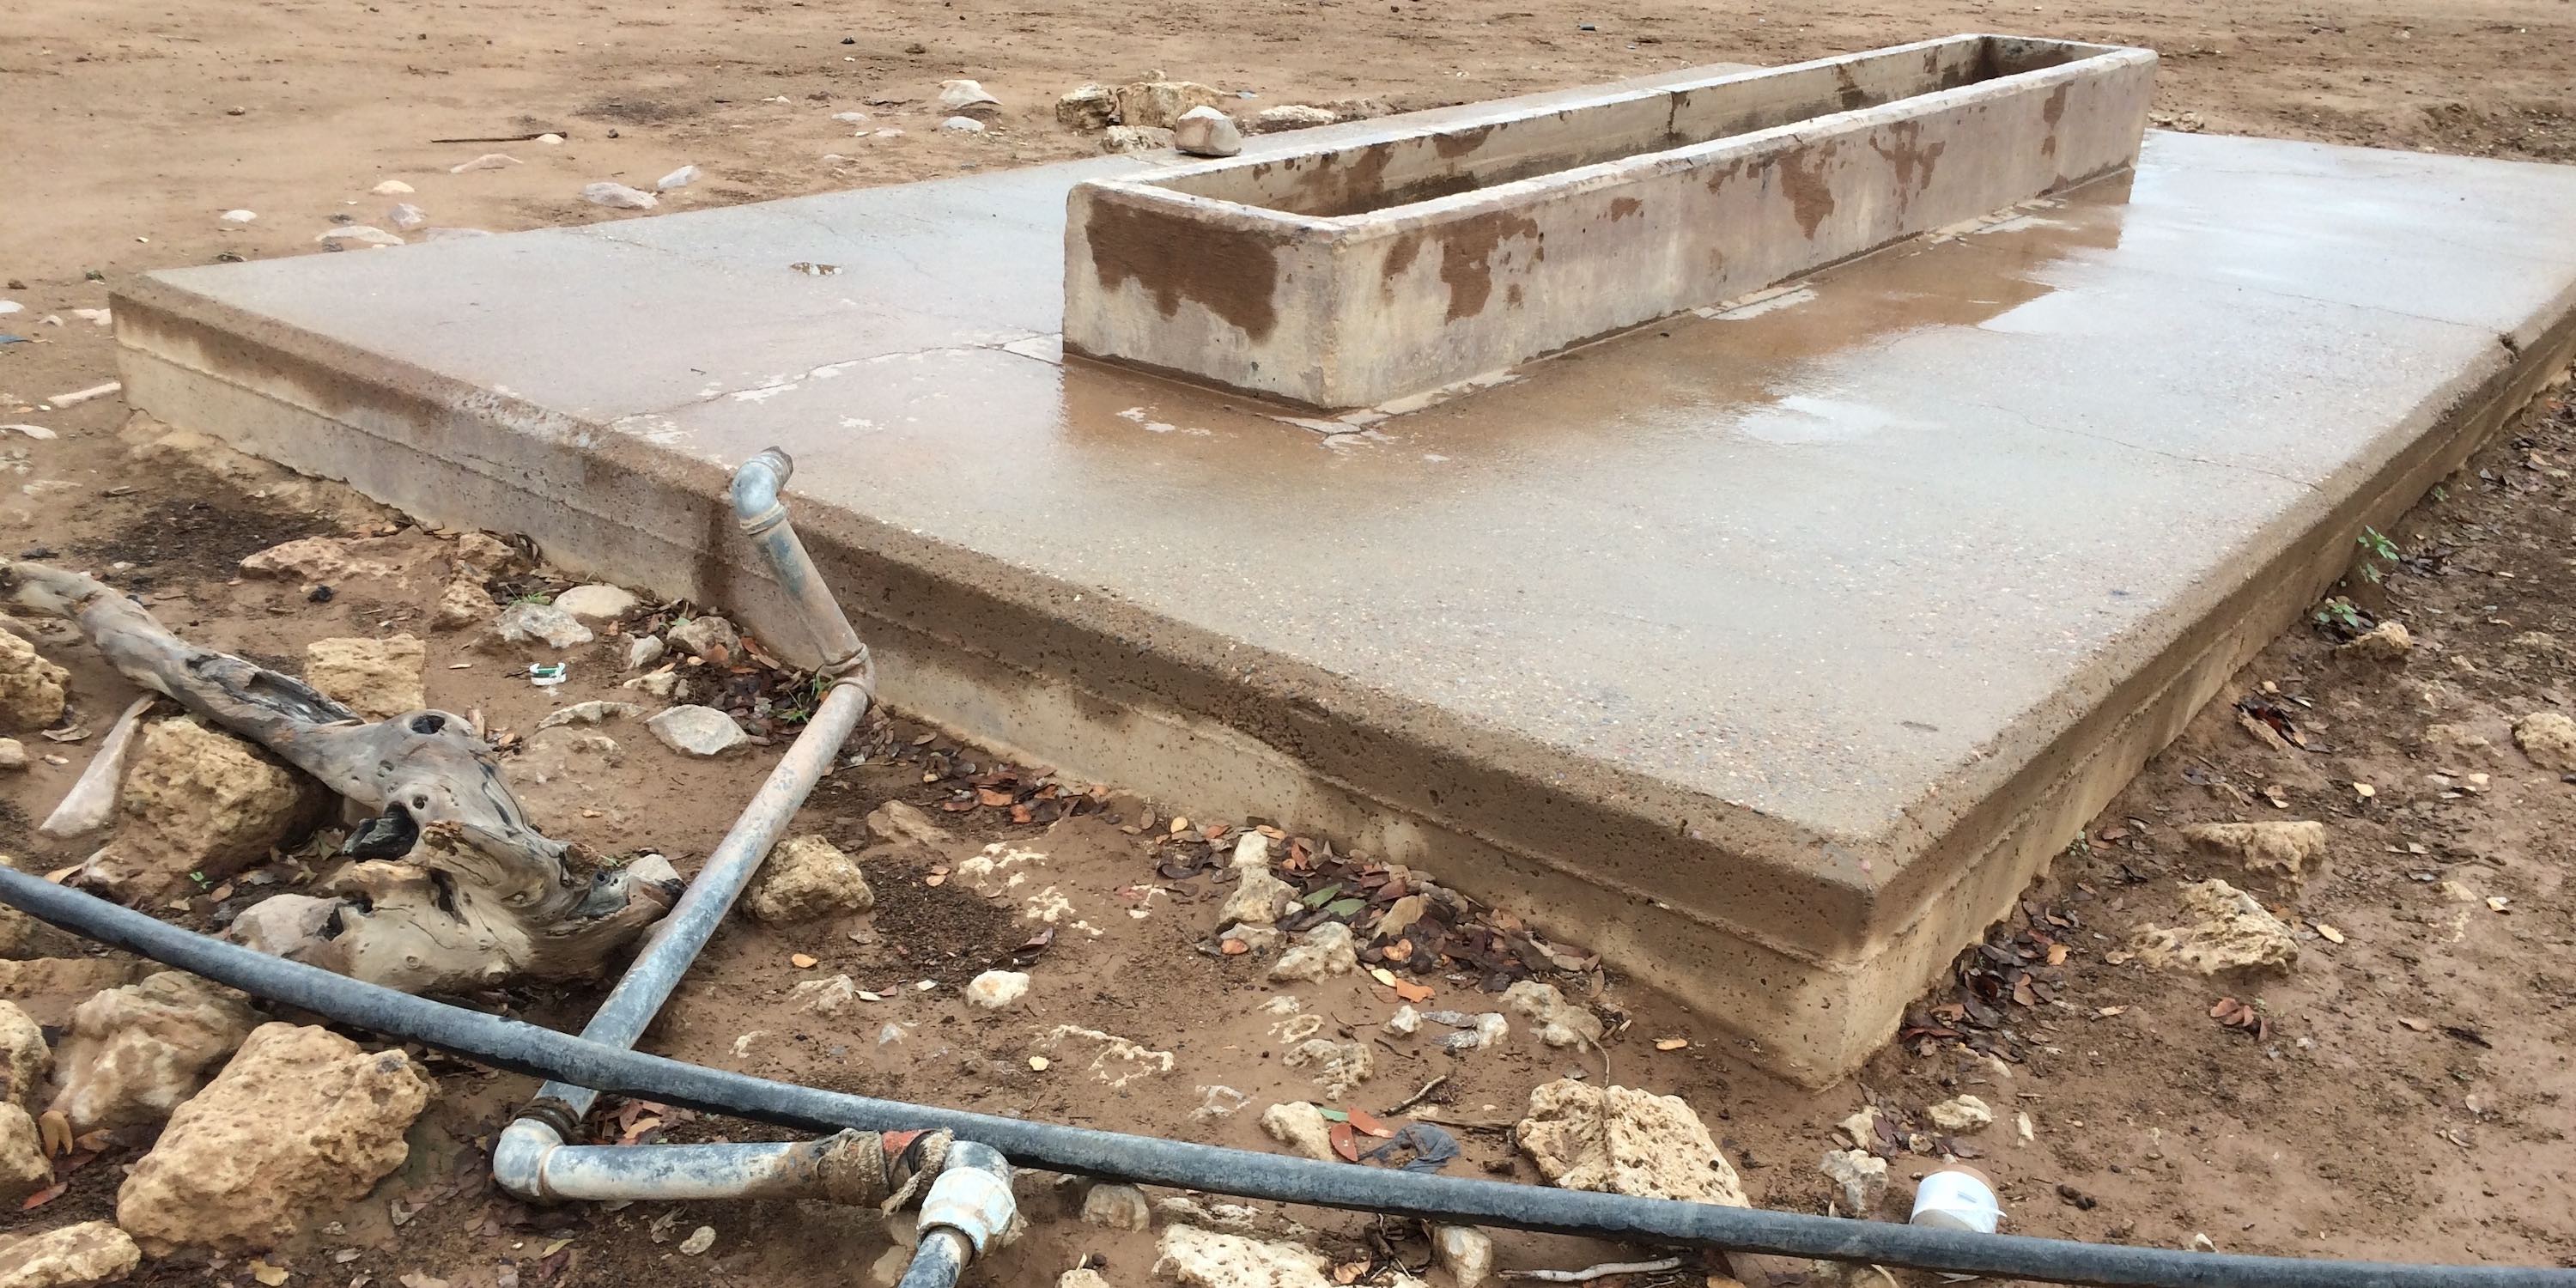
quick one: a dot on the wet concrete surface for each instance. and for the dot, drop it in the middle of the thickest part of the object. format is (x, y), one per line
(1771, 650)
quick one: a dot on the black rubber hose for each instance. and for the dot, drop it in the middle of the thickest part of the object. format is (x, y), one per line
(544, 1053)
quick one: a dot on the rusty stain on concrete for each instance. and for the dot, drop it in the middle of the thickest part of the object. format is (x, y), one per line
(1624, 208)
(1232, 272)
(1469, 251)
(1802, 178)
(1453, 144)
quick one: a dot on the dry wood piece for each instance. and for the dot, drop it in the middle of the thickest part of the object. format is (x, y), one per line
(455, 889)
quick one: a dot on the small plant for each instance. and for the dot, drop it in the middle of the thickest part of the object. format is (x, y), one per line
(534, 597)
(2342, 618)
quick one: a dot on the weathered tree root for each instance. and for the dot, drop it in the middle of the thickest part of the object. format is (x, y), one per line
(479, 896)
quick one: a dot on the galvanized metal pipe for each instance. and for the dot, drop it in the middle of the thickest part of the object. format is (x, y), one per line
(528, 1161)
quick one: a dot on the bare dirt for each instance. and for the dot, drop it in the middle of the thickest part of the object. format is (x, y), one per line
(2408, 1095)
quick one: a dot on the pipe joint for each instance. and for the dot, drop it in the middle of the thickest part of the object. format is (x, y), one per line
(972, 1196)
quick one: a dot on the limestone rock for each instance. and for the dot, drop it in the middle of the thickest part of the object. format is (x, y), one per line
(358, 235)
(1086, 108)
(703, 634)
(327, 560)
(299, 1121)
(1560, 1023)
(1290, 116)
(1258, 899)
(1862, 1177)
(1207, 132)
(2386, 642)
(1258, 939)
(136, 1053)
(2549, 739)
(962, 125)
(1117, 1207)
(69, 1256)
(31, 688)
(13, 754)
(590, 713)
(617, 196)
(697, 731)
(896, 821)
(824, 996)
(530, 622)
(1129, 138)
(1301, 1127)
(2291, 851)
(968, 97)
(2229, 931)
(2458, 740)
(198, 800)
(1325, 950)
(806, 877)
(24, 1168)
(1962, 1114)
(464, 603)
(1336, 1066)
(1207, 1259)
(488, 555)
(47, 988)
(997, 990)
(664, 683)
(597, 602)
(1159, 104)
(1081, 1277)
(24, 1058)
(1466, 1252)
(375, 678)
(644, 650)
(1620, 1140)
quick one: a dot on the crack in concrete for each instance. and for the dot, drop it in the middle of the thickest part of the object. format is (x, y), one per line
(2185, 457)
(830, 370)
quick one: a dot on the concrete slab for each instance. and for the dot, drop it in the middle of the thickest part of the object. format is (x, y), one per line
(1771, 653)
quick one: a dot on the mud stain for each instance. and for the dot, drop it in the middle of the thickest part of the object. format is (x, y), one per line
(1231, 272)
(1472, 249)
(1624, 208)
(1905, 152)
(1459, 143)
(1802, 177)
(2052, 112)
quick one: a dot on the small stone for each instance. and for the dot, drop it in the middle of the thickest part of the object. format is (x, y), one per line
(962, 125)
(136, 1053)
(391, 188)
(1255, 939)
(644, 650)
(699, 1240)
(997, 990)
(1325, 950)
(1251, 851)
(2293, 851)
(1159, 104)
(824, 996)
(1207, 132)
(697, 731)
(680, 178)
(1466, 1252)
(2549, 739)
(1081, 1277)
(805, 877)
(31, 688)
(1478, 1032)
(551, 140)
(530, 622)
(1862, 1127)
(301, 1121)
(1337, 1066)
(1619, 1140)
(897, 821)
(1208, 1259)
(1086, 108)
(1131, 138)
(1301, 1127)
(597, 602)
(1560, 1023)
(700, 635)
(24, 1168)
(24, 1058)
(850, 118)
(663, 683)
(407, 217)
(2386, 642)
(1290, 116)
(590, 713)
(1258, 899)
(1862, 1176)
(375, 678)
(329, 560)
(2230, 931)
(966, 96)
(69, 1256)
(13, 754)
(617, 196)
(464, 603)
(1117, 1207)
(1219, 1101)
(361, 234)
(1406, 1022)
(199, 801)
(1962, 1114)
(238, 216)
(487, 161)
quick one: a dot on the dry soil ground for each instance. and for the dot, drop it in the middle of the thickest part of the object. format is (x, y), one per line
(2411, 1099)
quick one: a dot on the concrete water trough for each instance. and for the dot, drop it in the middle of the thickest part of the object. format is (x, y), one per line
(1359, 272)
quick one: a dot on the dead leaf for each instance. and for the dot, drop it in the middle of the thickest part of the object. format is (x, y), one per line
(2411, 1022)
(74, 734)
(1412, 992)
(803, 961)
(54, 1133)
(266, 1273)
(44, 1196)
(993, 797)
(2364, 790)
(1671, 1044)
(1234, 948)
(2106, 1012)
(2057, 954)
(1382, 975)
(1349, 1272)
(1343, 1143)
(2329, 933)
(1362, 1120)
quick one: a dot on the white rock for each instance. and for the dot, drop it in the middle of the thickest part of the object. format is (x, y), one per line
(850, 118)
(1325, 950)
(1407, 1021)
(531, 622)
(804, 878)
(697, 731)
(238, 216)
(69, 1256)
(13, 754)
(1207, 132)
(1159, 104)
(1251, 851)
(661, 684)
(597, 602)
(2549, 738)
(643, 651)
(24, 1168)
(824, 996)
(965, 96)
(24, 1058)
(551, 140)
(680, 178)
(1862, 1176)
(1337, 1066)
(408, 217)
(1117, 1207)
(2229, 930)
(1219, 1101)
(1132, 138)
(897, 821)
(362, 234)
(617, 196)
(591, 712)
(1290, 116)
(487, 161)
(1258, 899)
(1081, 1277)
(1560, 1023)
(962, 125)
(1962, 1114)
(1301, 1127)
(2291, 851)
(997, 990)
(135, 1053)
(391, 188)
(1087, 107)
(1258, 939)
(374, 677)
(702, 633)
(1620, 1140)
(1206, 1259)
(1466, 1252)
(699, 1240)
(11, 306)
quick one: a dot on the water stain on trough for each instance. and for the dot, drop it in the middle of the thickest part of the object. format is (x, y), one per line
(1468, 257)
(1910, 157)
(1231, 272)
(1802, 177)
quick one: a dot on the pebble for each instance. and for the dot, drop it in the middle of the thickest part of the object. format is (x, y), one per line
(962, 125)
(1207, 132)
(699, 1240)
(238, 216)
(965, 96)
(1325, 950)
(680, 178)
(617, 196)
(487, 161)
(408, 217)
(701, 634)
(1290, 116)
(551, 140)
(1862, 1177)
(1962, 1114)
(391, 188)
(1130, 138)
(592, 712)
(530, 621)
(13, 754)
(1407, 1020)
(697, 731)
(1466, 1252)
(597, 602)
(1117, 1207)
(850, 118)
(997, 990)
(643, 651)
(363, 234)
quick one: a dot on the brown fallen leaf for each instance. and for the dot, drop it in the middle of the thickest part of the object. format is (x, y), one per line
(1344, 1142)
(2329, 933)
(803, 961)
(1412, 992)
(267, 1274)
(54, 1133)
(1671, 1044)
(2057, 954)
(1364, 1121)
(1234, 948)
